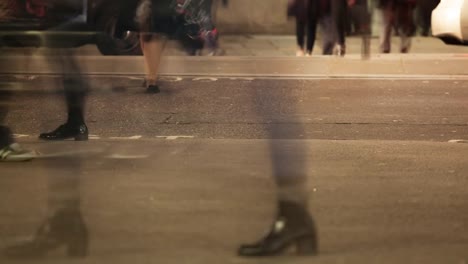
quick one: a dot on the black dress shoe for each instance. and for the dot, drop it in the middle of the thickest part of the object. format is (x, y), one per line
(293, 228)
(66, 228)
(66, 131)
(152, 89)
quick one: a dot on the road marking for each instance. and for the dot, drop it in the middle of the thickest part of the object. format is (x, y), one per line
(175, 137)
(458, 141)
(127, 138)
(172, 79)
(20, 136)
(68, 153)
(121, 156)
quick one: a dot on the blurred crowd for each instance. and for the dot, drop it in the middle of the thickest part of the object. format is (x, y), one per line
(339, 18)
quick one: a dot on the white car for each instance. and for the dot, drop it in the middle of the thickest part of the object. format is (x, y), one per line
(450, 21)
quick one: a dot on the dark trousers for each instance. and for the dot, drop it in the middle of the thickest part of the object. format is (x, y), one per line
(339, 9)
(399, 15)
(75, 85)
(303, 26)
(5, 133)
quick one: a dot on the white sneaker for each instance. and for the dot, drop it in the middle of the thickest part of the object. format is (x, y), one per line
(15, 152)
(299, 53)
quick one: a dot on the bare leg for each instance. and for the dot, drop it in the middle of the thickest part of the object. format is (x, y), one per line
(152, 47)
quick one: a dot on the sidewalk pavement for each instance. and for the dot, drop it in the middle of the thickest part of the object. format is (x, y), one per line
(285, 45)
(266, 56)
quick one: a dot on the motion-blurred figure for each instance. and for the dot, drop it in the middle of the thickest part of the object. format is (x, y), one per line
(306, 21)
(399, 14)
(293, 226)
(424, 12)
(9, 150)
(64, 63)
(360, 21)
(64, 227)
(339, 9)
(152, 42)
(330, 15)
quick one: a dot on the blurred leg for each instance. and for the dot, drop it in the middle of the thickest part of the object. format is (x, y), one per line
(300, 28)
(9, 150)
(386, 30)
(153, 47)
(406, 26)
(75, 88)
(328, 34)
(339, 9)
(311, 26)
(5, 134)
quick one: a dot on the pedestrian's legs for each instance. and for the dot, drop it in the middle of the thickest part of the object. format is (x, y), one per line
(5, 133)
(405, 22)
(387, 26)
(339, 11)
(300, 28)
(9, 150)
(76, 89)
(328, 34)
(153, 47)
(311, 26)
(293, 225)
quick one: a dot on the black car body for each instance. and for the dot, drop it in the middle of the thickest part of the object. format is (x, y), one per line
(67, 23)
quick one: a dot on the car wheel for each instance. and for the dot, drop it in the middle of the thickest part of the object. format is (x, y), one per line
(110, 41)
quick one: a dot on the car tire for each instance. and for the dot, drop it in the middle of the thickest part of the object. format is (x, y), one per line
(110, 41)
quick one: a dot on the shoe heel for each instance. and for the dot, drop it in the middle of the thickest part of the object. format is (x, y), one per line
(307, 246)
(81, 137)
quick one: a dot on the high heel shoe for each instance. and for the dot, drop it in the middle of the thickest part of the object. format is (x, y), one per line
(66, 131)
(292, 228)
(65, 228)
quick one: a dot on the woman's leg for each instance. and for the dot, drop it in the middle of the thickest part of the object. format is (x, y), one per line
(387, 27)
(311, 26)
(152, 47)
(300, 27)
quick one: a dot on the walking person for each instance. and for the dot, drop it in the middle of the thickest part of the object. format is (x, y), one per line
(360, 18)
(9, 149)
(152, 45)
(293, 225)
(210, 35)
(306, 24)
(339, 9)
(424, 11)
(398, 14)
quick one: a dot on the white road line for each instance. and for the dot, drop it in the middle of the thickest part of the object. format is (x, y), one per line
(20, 136)
(210, 79)
(458, 141)
(175, 137)
(122, 156)
(127, 138)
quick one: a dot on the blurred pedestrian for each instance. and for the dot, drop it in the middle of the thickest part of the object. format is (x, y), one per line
(399, 14)
(9, 149)
(64, 62)
(152, 44)
(360, 21)
(339, 9)
(424, 12)
(306, 24)
(211, 34)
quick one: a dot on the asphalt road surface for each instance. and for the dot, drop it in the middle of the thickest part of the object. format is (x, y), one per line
(185, 176)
